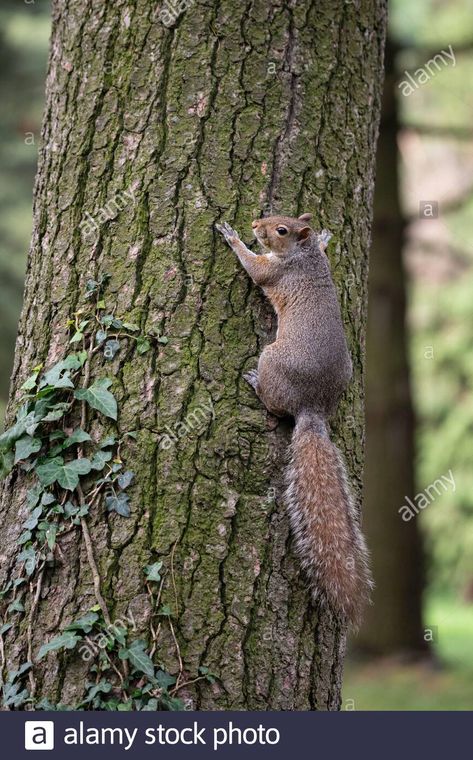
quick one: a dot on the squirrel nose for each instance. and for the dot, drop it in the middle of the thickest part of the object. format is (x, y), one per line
(254, 224)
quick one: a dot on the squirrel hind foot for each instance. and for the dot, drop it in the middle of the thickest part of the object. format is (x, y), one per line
(251, 378)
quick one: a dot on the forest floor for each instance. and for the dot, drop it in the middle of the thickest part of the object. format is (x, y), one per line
(444, 684)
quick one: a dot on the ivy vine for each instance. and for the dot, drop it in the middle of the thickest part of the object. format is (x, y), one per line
(71, 472)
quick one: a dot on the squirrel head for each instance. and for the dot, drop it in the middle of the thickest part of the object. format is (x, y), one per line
(282, 234)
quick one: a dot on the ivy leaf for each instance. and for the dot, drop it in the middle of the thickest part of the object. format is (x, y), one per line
(28, 556)
(77, 337)
(99, 397)
(47, 499)
(57, 411)
(25, 446)
(103, 687)
(33, 519)
(100, 336)
(13, 697)
(49, 471)
(139, 658)
(24, 538)
(142, 345)
(6, 627)
(109, 441)
(16, 606)
(125, 479)
(51, 536)
(152, 572)
(67, 475)
(99, 459)
(131, 327)
(165, 680)
(162, 339)
(6, 463)
(118, 503)
(84, 623)
(66, 640)
(59, 374)
(78, 436)
(33, 496)
(30, 382)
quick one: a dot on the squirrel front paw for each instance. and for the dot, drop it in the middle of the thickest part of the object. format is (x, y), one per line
(230, 235)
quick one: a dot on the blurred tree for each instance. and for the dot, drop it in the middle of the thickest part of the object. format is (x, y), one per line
(394, 623)
(195, 124)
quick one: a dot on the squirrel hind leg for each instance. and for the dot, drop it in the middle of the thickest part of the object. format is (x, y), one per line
(252, 378)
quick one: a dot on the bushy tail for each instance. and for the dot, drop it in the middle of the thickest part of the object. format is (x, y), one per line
(324, 520)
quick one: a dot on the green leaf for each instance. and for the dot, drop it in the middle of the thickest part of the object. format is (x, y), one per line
(152, 572)
(66, 640)
(77, 337)
(33, 519)
(10, 436)
(6, 463)
(24, 538)
(100, 459)
(109, 441)
(51, 536)
(78, 436)
(103, 687)
(25, 446)
(49, 471)
(16, 606)
(118, 503)
(139, 658)
(84, 623)
(100, 336)
(125, 479)
(131, 327)
(28, 556)
(33, 496)
(165, 680)
(57, 412)
(59, 374)
(6, 627)
(99, 397)
(30, 382)
(47, 499)
(13, 697)
(163, 340)
(142, 345)
(67, 475)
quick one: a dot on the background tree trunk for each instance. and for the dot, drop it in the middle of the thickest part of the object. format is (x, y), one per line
(393, 624)
(227, 113)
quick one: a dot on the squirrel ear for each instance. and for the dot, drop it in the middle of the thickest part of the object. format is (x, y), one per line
(304, 233)
(305, 217)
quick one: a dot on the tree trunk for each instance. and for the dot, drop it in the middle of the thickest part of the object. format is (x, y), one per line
(219, 114)
(393, 625)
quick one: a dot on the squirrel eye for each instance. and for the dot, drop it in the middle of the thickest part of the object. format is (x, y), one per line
(281, 230)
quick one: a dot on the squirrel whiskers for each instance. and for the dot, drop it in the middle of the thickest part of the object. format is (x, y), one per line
(303, 374)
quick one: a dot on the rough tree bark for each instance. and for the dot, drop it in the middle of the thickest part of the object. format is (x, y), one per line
(232, 111)
(393, 624)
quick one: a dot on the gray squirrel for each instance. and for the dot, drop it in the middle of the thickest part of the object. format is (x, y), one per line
(302, 374)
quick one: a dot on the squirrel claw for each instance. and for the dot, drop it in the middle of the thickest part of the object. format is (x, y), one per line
(228, 233)
(251, 378)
